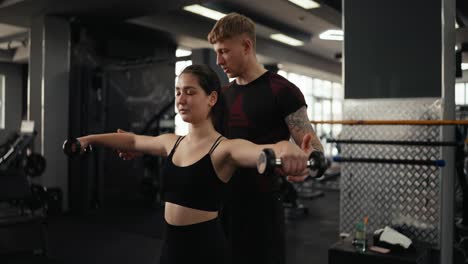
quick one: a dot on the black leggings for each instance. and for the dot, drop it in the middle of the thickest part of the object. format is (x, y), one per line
(255, 228)
(198, 243)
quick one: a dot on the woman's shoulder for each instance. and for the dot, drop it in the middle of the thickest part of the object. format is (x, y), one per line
(227, 144)
(170, 136)
(221, 144)
(169, 139)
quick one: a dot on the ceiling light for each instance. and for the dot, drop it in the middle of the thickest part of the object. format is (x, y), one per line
(10, 45)
(464, 66)
(286, 40)
(306, 4)
(332, 34)
(203, 11)
(182, 53)
(456, 25)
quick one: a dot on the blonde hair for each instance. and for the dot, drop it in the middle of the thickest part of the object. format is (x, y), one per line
(232, 25)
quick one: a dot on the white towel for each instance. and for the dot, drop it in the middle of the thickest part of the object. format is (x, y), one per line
(393, 237)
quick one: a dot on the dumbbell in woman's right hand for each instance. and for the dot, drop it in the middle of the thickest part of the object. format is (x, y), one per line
(267, 162)
(73, 147)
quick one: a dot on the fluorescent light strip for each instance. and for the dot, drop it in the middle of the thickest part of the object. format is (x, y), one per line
(203, 11)
(286, 39)
(183, 53)
(332, 34)
(464, 66)
(306, 4)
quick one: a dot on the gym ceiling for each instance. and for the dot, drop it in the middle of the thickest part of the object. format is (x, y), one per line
(189, 30)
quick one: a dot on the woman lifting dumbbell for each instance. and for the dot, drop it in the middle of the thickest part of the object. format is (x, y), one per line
(197, 167)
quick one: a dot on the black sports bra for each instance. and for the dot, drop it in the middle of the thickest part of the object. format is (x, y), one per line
(196, 186)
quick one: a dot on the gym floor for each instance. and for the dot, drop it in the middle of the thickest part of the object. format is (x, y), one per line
(133, 235)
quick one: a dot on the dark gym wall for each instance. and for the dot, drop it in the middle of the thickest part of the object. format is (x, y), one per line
(117, 69)
(13, 98)
(208, 56)
(133, 98)
(392, 49)
(48, 93)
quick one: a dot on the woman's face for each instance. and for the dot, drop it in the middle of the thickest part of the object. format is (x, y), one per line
(192, 102)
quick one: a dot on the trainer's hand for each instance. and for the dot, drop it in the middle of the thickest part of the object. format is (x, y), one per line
(293, 159)
(306, 147)
(128, 155)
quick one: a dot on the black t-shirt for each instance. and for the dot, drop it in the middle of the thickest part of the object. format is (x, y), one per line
(257, 112)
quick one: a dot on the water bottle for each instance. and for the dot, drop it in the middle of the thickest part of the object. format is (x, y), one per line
(360, 236)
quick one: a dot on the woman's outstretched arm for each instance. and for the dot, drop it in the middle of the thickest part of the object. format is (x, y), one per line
(244, 153)
(158, 146)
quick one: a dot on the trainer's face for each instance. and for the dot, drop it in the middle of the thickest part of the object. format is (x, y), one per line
(192, 102)
(231, 55)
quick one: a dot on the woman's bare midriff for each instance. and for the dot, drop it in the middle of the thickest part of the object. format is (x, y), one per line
(179, 215)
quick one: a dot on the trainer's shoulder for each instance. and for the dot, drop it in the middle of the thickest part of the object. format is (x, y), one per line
(279, 83)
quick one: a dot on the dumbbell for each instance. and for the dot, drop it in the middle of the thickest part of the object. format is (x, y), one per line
(267, 162)
(72, 147)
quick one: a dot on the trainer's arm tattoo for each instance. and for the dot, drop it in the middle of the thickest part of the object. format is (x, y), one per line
(299, 125)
